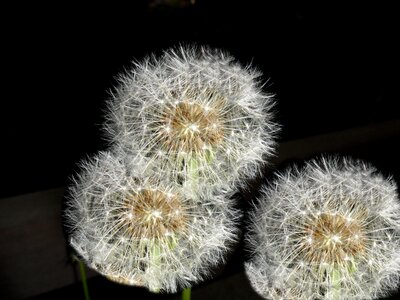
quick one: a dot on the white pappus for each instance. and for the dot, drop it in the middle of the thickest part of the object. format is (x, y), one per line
(196, 114)
(139, 230)
(330, 230)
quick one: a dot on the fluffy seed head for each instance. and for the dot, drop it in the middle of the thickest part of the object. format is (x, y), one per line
(328, 231)
(195, 113)
(138, 230)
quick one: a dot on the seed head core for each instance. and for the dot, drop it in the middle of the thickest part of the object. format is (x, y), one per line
(153, 214)
(333, 239)
(191, 127)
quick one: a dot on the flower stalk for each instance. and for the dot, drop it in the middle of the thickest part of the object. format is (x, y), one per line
(85, 287)
(186, 294)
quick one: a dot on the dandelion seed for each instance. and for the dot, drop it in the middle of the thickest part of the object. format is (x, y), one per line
(138, 230)
(198, 105)
(335, 241)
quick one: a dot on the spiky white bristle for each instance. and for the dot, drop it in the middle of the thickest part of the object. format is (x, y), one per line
(330, 230)
(195, 113)
(138, 230)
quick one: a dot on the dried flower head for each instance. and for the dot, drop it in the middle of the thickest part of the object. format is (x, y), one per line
(141, 231)
(195, 113)
(328, 231)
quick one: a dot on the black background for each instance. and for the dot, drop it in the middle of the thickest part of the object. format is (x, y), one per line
(331, 67)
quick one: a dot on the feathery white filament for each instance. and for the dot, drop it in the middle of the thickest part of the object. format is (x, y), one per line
(138, 230)
(194, 113)
(328, 231)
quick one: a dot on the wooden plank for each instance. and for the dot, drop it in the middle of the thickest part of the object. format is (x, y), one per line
(33, 253)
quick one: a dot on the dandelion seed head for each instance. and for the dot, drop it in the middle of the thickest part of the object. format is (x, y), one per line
(341, 220)
(199, 107)
(137, 229)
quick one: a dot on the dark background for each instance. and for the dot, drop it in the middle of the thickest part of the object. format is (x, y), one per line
(331, 67)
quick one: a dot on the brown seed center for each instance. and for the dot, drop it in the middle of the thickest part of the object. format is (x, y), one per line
(190, 127)
(333, 239)
(153, 214)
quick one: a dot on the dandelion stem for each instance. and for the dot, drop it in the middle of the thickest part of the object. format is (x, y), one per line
(155, 256)
(84, 280)
(186, 294)
(336, 284)
(194, 173)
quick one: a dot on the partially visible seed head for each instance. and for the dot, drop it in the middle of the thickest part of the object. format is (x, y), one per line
(136, 229)
(123, 280)
(328, 231)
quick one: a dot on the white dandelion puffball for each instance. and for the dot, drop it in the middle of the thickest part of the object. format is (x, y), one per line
(196, 114)
(139, 231)
(330, 230)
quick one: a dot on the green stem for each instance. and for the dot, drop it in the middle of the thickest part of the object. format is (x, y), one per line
(155, 263)
(84, 280)
(335, 275)
(186, 293)
(194, 173)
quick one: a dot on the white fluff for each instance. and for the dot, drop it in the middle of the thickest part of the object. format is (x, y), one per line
(198, 115)
(165, 244)
(330, 230)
